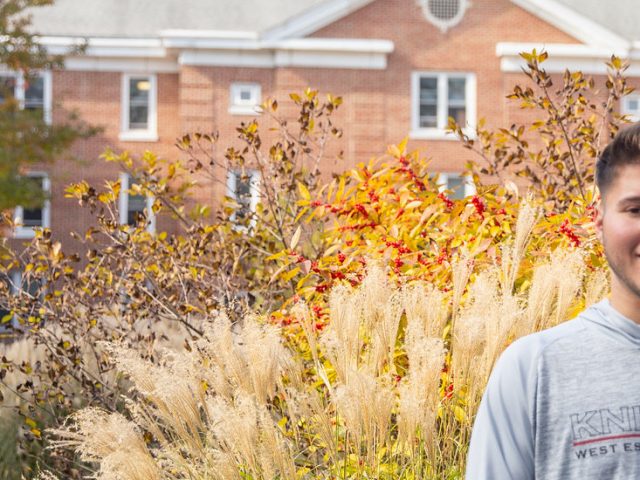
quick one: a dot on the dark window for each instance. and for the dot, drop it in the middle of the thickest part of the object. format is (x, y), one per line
(135, 208)
(429, 102)
(139, 88)
(34, 94)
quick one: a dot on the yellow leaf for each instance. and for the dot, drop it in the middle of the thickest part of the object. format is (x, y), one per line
(340, 191)
(296, 238)
(302, 212)
(277, 256)
(290, 274)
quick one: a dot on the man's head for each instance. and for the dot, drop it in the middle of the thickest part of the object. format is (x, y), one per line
(623, 150)
(618, 218)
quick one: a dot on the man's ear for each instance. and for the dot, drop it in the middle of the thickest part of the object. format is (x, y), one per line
(598, 218)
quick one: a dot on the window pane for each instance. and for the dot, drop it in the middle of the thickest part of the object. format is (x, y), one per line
(428, 116)
(138, 117)
(139, 103)
(458, 114)
(428, 102)
(455, 183)
(428, 90)
(243, 194)
(32, 217)
(456, 89)
(135, 210)
(34, 94)
(7, 87)
(139, 90)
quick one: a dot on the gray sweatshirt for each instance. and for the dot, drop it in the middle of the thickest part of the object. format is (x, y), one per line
(563, 404)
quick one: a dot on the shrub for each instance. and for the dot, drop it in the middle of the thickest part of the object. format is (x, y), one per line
(387, 389)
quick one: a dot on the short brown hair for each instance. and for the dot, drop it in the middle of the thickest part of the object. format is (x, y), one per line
(624, 149)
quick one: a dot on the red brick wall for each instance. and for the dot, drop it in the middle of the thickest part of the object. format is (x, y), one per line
(470, 46)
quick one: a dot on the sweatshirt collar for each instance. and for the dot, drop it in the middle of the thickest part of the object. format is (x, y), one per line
(614, 323)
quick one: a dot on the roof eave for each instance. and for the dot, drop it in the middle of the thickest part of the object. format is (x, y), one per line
(574, 24)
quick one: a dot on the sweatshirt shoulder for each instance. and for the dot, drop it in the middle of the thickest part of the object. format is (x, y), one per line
(530, 347)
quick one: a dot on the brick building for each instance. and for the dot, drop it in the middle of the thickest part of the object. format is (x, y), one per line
(154, 70)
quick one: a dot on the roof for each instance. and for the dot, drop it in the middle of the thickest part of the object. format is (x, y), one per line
(621, 16)
(258, 18)
(148, 18)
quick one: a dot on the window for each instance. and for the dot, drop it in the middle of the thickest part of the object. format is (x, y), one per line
(12, 284)
(244, 98)
(438, 96)
(27, 219)
(458, 186)
(631, 107)
(139, 108)
(244, 189)
(133, 206)
(17, 283)
(444, 14)
(31, 93)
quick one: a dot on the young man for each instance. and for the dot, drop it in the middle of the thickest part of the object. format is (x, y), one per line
(565, 403)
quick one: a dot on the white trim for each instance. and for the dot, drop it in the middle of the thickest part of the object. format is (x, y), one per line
(355, 45)
(106, 47)
(186, 33)
(573, 23)
(439, 132)
(634, 114)
(237, 106)
(589, 60)
(123, 204)
(315, 18)
(254, 188)
(285, 58)
(212, 48)
(119, 65)
(228, 58)
(48, 96)
(150, 134)
(573, 50)
(469, 185)
(20, 231)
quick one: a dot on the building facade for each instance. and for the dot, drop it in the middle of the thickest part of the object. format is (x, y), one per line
(154, 71)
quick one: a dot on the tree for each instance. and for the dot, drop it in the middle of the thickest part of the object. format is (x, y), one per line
(26, 135)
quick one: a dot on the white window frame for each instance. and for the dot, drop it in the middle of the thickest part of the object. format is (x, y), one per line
(21, 231)
(150, 134)
(440, 131)
(634, 115)
(238, 106)
(254, 180)
(467, 181)
(47, 94)
(123, 204)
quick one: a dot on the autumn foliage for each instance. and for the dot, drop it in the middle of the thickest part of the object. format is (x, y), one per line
(376, 303)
